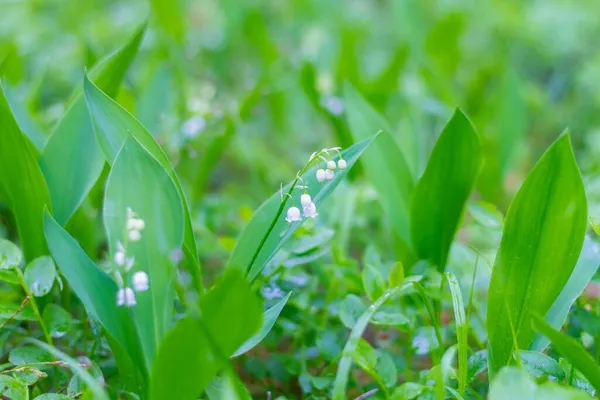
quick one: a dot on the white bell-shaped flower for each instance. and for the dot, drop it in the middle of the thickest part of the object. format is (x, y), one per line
(134, 235)
(329, 174)
(135, 224)
(341, 163)
(321, 175)
(120, 258)
(293, 214)
(140, 281)
(310, 211)
(126, 297)
(331, 165)
(305, 199)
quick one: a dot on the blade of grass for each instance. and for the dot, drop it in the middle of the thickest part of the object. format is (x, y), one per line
(462, 329)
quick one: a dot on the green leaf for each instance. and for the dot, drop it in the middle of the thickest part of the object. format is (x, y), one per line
(22, 185)
(268, 230)
(586, 267)
(540, 365)
(113, 126)
(375, 363)
(396, 274)
(94, 386)
(58, 321)
(28, 355)
(373, 282)
(40, 275)
(228, 386)
(196, 349)
(442, 192)
(12, 388)
(137, 181)
(98, 293)
(384, 163)
(341, 378)
(24, 119)
(513, 383)
(72, 159)
(578, 380)
(542, 237)
(7, 310)
(462, 330)
(407, 391)
(269, 318)
(10, 255)
(486, 215)
(52, 396)
(351, 309)
(572, 350)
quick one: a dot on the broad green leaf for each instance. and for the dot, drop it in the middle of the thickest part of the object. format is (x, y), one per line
(408, 391)
(375, 363)
(171, 17)
(138, 182)
(486, 215)
(540, 365)
(10, 255)
(373, 282)
(228, 386)
(94, 386)
(25, 121)
(269, 318)
(442, 192)
(577, 379)
(351, 308)
(341, 378)
(184, 364)
(58, 321)
(268, 230)
(572, 350)
(72, 159)
(462, 330)
(512, 383)
(113, 126)
(98, 293)
(542, 238)
(40, 275)
(196, 349)
(586, 267)
(22, 185)
(28, 355)
(12, 388)
(384, 163)
(396, 274)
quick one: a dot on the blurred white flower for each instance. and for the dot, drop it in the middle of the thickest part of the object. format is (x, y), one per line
(325, 83)
(310, 211)
(293, 214)
(329, 174)
(129, 263)
(331, 165)
(333, 104)
(305, 200)
(134, 235)
(321, 175)
(135, 224)
(193, 126)
(125, 297)
(341, 163)
(120, 257)
(140, 281)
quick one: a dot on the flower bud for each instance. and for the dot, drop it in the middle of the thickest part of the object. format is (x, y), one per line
(140, 281)
(305, 199)
(321, 175)
(293, 214)
(331, 165)
(341, 163)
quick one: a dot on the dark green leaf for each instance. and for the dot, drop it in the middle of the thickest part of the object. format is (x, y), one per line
(58, 321)
(12, 388)
(542, 237)
(28, 355)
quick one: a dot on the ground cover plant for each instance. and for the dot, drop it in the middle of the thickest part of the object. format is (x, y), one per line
(357, 199)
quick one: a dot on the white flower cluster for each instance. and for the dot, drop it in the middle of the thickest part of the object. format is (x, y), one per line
(139, 280)
(308, 206)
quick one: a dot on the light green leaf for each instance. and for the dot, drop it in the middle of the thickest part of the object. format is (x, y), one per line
(58, 321)
(10, 255)
(442, 192)
(512, 383)
(137, 181)
(384, 163)
(28, 355)
(24, 119)
(12, 388)
(578, 380)
(396, 274)
(572, 350)
(268, 230)
(22, 185)
(72, 159)
(52, 396)
(269, 318)
(40, 275)
(462, 330)
(373, 282)
(113, 126)
(351, 309)
(7, 310)
(586, 267)
(542, 237)
(408, 391)
(98, 293)
(540, 365)
(486, 215)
